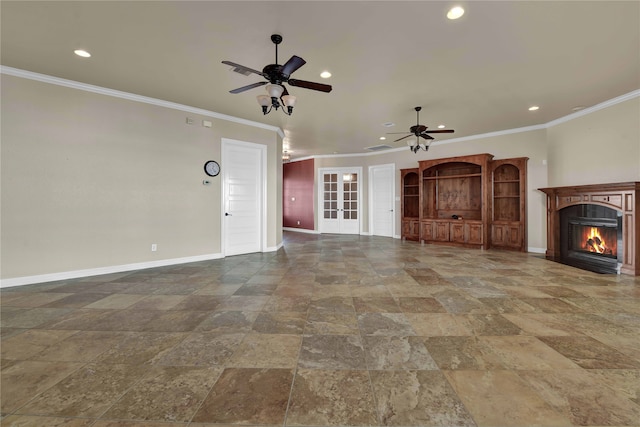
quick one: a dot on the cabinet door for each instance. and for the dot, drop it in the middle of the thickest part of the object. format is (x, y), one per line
(499, 234)
(406, 229)
(410, 229)
(441, 231)
(474, 233)
(426, 230)
(457, 232)
(415, 228)
(506, 235)
(514, 235)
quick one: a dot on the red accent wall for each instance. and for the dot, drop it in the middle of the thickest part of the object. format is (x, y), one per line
(297, 194)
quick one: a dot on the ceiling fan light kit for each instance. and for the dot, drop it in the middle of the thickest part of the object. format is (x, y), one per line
(414, 146)
(276, 75)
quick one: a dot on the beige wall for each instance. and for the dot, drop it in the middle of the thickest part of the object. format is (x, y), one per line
(600, 147)
(91, 181)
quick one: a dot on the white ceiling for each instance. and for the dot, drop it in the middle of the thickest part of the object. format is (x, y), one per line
(476, 75)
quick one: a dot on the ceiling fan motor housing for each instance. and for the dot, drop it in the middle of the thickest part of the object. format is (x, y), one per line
(273, 72)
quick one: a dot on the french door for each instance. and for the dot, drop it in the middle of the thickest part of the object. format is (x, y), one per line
(339, 200)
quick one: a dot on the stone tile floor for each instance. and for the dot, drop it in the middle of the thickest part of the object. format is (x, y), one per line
(327, 331)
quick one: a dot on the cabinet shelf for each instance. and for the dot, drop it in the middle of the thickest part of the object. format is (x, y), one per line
(435, 178)
(410, 203)
(506, 181)
(507, 197)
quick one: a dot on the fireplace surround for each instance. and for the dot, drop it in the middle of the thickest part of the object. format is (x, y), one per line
(595, 227)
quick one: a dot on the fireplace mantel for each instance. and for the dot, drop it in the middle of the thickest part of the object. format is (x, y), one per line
(619, 196)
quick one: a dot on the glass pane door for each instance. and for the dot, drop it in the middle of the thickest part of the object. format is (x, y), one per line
(339, 200)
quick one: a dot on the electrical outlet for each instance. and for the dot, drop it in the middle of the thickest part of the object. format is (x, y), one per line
(154, 247)
(298, 222)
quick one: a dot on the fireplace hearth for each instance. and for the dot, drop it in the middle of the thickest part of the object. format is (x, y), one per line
(595, 227)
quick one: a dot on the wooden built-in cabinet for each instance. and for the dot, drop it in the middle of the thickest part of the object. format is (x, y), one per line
(508, 211)
(471, 201)
(410, 203)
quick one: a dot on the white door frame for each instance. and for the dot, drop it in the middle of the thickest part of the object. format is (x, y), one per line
(263, 190)
(391, 166)
(320, 189)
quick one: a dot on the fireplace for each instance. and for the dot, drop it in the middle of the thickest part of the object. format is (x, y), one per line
(595, 227)
(590, 236)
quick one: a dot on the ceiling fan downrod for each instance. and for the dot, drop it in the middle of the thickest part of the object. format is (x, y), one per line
(276, 39)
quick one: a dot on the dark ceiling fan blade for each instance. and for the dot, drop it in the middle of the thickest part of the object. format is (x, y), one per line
(396, 133)
(310, 85)
(247, 87)
(439, 131)
(404, 137)
(425, 136)
(292, 65)
(242, 69)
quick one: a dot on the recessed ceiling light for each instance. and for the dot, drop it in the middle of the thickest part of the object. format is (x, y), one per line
(82, 53)
(388, 124)
(534, 108)
(440, 126)
(455, 12)
(325, 74)
(382, 138)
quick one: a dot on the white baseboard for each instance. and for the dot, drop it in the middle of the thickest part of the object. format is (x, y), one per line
(300, 230)
(536, 250)
(273, 248)
(65, 275)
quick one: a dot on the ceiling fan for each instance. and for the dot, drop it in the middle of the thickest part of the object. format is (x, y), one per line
(419, 131)
(276, 75)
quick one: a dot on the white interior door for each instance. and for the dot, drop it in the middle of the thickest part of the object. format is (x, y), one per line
(243, 175)
(381, 200)
(339, 200)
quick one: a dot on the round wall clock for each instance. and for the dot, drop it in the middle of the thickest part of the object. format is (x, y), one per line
(212, 168)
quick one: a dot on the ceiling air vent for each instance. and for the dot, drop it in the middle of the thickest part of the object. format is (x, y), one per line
(379, 147)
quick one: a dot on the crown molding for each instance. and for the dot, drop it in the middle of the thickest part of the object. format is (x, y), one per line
(552, 123)
(147, 100)
(132, 97)
(594, 108)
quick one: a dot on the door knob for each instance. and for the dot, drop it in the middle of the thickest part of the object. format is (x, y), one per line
(227, 214)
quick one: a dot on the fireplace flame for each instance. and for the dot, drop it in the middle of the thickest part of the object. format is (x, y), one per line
(594, 242)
